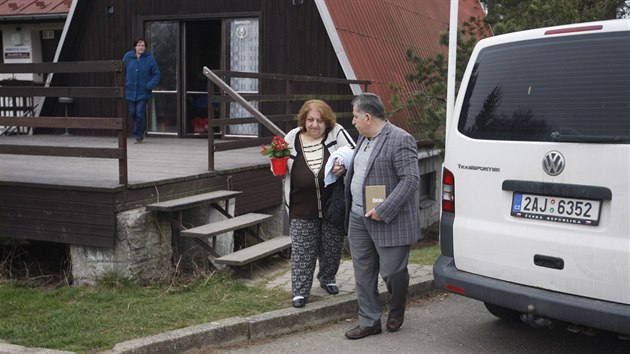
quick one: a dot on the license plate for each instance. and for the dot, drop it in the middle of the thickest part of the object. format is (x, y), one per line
(558, 209)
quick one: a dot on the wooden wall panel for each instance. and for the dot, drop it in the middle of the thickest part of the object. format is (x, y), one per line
(293, 40)
(71, 216)
(260, 189)
(88, 218)
(139, 197)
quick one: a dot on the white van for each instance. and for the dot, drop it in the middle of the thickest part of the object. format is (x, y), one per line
(535, 213)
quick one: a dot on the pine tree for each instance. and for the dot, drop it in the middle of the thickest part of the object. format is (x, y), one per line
(427, 106)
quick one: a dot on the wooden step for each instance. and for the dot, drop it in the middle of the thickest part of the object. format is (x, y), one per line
(256, 252)
(192, 201)
(223, 226)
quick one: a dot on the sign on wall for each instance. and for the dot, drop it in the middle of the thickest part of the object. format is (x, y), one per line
(17, 53)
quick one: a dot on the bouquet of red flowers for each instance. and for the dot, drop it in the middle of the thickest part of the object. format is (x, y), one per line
(278, 148)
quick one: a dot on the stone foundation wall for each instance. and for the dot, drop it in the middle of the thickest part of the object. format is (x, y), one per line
(146, 250)
(142, 251)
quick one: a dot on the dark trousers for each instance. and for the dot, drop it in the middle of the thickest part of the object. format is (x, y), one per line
(368, 261)
(138, 111)
(313, 239)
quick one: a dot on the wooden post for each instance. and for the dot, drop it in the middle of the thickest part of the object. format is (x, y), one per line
(119, 81)
(288, 90)
(210, 88)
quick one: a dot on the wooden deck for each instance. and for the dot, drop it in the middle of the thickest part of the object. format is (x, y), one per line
(76, 200)
(155, 161)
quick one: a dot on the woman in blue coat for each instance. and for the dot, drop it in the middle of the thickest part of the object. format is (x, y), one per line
(142, 75)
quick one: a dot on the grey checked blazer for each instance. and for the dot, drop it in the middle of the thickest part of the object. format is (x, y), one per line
(394, 163)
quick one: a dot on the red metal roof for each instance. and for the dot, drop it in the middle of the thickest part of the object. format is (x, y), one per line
(375, 35)
(18, 8)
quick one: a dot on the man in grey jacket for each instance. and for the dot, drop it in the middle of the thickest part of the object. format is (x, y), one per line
(380, 238)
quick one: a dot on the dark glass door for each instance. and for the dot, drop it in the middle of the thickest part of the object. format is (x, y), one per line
(182, 48)
(202, 48)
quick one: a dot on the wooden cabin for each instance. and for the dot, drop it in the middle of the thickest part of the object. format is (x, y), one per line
(111, 224)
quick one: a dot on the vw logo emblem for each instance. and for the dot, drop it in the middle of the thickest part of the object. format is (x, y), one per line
(553, 163)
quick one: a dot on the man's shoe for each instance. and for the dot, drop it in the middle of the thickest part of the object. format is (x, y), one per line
(299, 301)
(395, 321)
(331, 289)
(359, 332)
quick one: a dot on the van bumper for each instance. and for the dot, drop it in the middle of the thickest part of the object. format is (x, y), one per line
(588, 312)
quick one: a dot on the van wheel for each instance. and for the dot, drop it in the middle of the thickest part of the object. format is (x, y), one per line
(503, 312)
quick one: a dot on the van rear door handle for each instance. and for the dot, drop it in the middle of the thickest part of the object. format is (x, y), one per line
(548, 262)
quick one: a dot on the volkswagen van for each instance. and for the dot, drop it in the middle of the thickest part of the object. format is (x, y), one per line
(535, 194)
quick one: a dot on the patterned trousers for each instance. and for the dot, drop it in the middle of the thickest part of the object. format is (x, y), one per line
(314, 239)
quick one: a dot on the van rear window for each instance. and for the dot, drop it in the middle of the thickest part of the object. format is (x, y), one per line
(572, 88)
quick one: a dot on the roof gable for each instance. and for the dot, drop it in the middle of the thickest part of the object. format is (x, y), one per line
(19, 8)
(373, 36)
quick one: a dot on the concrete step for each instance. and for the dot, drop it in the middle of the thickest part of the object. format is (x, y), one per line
(256, 252)
(227, 225)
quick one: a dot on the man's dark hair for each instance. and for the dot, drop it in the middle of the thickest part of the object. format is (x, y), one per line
(369, 103)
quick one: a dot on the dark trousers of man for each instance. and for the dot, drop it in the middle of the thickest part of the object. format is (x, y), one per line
(138, 111)
(368, 261)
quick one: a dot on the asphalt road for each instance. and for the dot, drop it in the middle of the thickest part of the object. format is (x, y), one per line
(443, 323)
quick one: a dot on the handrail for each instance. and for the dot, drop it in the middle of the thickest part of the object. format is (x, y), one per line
(251, 109)
(228, 94)
(303, 78)
(232, 93)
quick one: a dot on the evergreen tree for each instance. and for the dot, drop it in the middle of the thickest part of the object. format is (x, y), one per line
(427, 106)
(515, 15)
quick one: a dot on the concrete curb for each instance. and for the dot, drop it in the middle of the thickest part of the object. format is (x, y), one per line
(237, 330)
(16, 349)
(240, 330)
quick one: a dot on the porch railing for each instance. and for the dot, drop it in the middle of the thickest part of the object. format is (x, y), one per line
(15, 107)
(116, 91)
(222, 94)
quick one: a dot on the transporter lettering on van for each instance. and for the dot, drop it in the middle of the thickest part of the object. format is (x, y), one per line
(478, 168)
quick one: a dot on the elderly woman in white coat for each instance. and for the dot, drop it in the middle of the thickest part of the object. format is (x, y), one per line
(317, 136)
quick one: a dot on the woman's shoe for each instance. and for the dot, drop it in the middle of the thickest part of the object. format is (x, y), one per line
(299, 301)
(331, 288)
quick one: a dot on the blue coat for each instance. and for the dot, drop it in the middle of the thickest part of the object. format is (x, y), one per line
(141, 75)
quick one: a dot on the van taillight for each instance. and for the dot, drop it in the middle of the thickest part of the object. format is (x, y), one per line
(448, 191)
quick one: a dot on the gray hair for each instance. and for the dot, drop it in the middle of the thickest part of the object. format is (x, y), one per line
(369, 103)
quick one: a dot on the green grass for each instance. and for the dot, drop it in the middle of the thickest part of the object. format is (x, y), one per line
(94, 318)
(425, 255)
